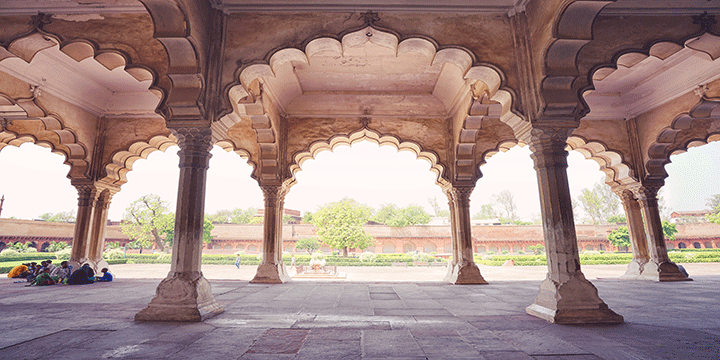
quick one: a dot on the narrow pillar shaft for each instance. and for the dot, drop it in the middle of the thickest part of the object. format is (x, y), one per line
(272, 269)
(463, 269)
(97, 235)
(184, 295)
(659, 268)
(87, 197)
(637, 234)
(565, 296)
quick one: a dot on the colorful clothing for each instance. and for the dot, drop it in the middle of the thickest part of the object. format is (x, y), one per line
(105, 278)
(43, 280)
(17, 271)
(82, 276)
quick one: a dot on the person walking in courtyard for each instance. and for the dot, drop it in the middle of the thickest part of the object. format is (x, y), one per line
(237, 261)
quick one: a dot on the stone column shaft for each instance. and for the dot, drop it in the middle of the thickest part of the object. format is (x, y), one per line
(97, 235)
(637, 234)
(462, 270)
(565, 297)
(87, 196)
(272, 269)
(184, 295)
(659, 268)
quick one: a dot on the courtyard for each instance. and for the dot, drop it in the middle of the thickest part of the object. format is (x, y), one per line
(397, 313)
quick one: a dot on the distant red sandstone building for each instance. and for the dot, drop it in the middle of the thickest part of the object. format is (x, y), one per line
(231, 238)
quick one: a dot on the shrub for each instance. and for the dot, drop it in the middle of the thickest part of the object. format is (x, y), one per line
(9, 252)
(114, 254)
(56, 246)
(368, 257)
(63, 254)
(164, 257)
(505, 252)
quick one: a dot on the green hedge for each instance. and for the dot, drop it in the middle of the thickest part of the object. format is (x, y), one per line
(29, 257)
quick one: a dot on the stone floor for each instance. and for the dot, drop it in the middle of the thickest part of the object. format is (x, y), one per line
(359, 320)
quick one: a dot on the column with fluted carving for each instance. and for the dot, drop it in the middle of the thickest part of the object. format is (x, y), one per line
(637, 234)
(96, 242)
(184, 295)
(464, 270)
(87, 198)
(565, 297)
(659, 268)
(272, 269)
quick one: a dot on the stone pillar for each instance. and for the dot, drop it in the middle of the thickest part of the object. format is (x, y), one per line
(96, 242)
(566, 297)
(462, 269)
(272, 269)
(659, 268)
(184, 295)
(87, 197)
(637, 234)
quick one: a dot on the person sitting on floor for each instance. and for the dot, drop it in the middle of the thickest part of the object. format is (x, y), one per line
(61, 272)
(43, 279)
(34, 270)
(82, 276)
(20, 271)
(107, 276)
(49, 265)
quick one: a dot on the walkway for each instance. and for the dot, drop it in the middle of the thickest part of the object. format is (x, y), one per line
(359, 319)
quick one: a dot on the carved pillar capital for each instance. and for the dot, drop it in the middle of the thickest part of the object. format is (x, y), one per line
(195, 145)
(548, 145)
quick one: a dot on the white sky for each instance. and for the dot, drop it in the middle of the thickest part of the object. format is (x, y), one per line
(34, 180)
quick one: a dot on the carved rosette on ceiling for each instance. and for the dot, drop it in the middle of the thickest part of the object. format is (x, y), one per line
(370, 74)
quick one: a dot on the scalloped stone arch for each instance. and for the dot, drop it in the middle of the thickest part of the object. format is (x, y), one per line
(617, 170)
(27, 47)
(679, 136)
(60, 141)
(122, 161)
(373, 136)
(457, 78)
(573, 30)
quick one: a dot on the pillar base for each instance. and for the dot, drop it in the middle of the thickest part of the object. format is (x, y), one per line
(465, 273)
(574, 301)
(635, 269)
(271, 274)
(181, 297)
(98, 265)
(665, 271)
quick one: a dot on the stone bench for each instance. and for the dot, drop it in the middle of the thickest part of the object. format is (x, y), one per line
(421, 263)
(402, 264)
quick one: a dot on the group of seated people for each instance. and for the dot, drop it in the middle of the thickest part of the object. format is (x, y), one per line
(46, 273)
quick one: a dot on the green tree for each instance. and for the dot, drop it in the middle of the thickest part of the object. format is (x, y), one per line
(234, 216)
(63, 216)
(600, 203)
(437, 210)
(307, 217)
(620, 237)
(616, 219)
(307, 244)
(340, 224)
(392, 215)
(669, 230)
(486, 212)
(146, 218)
(713, 203)
(505, 200)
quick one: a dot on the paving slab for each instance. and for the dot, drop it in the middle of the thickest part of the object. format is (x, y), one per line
(341, 320)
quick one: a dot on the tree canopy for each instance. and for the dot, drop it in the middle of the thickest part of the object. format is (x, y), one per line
(340, 224)
(234, 216)
(713, 203)
(63, 216)
(505, 200)
(307, 244)
(599, 204)
(145, 219)
(620, 237)
(392, 215)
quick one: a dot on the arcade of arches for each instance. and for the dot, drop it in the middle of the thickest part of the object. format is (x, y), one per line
(626, 83)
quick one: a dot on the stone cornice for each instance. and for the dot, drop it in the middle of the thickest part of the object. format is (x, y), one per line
(451, 6)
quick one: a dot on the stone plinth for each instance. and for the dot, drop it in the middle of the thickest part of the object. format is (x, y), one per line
(268, 273)
(574, 301)
(181, 297)
(465, 274)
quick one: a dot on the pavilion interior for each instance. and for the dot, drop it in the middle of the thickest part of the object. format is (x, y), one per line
(105, 83)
